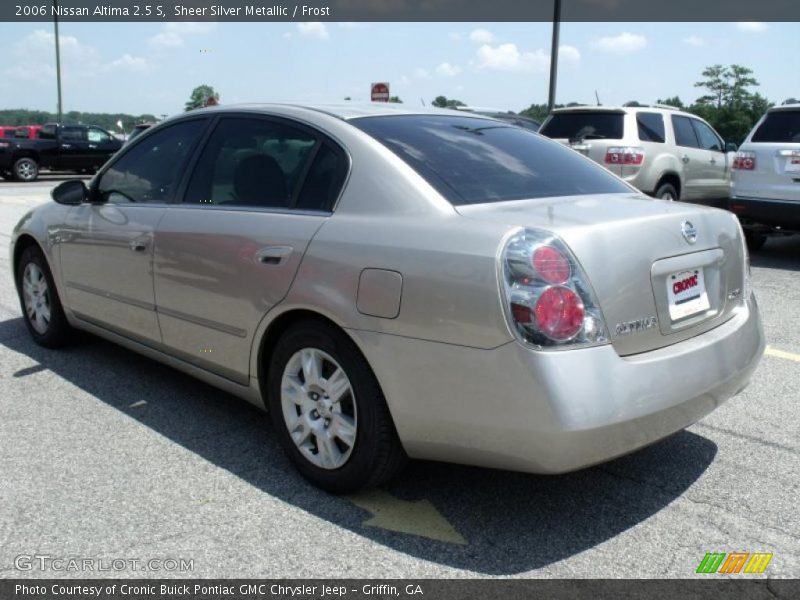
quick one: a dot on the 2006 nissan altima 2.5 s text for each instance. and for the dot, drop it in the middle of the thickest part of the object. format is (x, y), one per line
(394, 283)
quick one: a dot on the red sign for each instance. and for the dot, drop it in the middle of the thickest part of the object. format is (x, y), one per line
(380, 92)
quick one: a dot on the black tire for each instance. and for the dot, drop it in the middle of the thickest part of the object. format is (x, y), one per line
(58, 330)
(26, 169)
(666, 191)
(377, 454)
(755, 240)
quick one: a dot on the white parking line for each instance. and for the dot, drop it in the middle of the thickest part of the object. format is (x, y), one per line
(782, 354)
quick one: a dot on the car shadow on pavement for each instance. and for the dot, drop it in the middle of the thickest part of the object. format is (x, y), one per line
(512, 522)
(780, 252)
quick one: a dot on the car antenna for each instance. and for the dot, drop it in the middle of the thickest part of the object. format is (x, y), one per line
(423, 101)
(596, 95)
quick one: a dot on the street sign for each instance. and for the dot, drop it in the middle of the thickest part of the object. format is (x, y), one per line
(380, 92)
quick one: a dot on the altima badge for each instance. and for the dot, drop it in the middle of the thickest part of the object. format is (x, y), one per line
(629, 327)
(689, 232)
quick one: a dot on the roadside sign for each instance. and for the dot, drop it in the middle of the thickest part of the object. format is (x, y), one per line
(380, 92)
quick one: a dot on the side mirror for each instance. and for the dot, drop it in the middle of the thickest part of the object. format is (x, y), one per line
(731, 147)
(70, 192)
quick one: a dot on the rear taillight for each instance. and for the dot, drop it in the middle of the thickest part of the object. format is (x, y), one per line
(549, 301)
(744, 161)
(624, 155)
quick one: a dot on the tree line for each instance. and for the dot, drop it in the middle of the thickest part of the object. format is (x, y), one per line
(21, 116)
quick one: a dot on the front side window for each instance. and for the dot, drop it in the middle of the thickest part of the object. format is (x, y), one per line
(98, 136)
(651, 127)
(252, 163)
(706, 136)
(780, 127)
(471, 160)
(684, 132)
(151, 170)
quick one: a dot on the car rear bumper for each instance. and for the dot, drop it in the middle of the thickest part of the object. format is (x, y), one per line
(773, 213)
(553, 412)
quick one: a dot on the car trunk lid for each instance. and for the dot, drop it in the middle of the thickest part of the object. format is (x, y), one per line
(662, 272)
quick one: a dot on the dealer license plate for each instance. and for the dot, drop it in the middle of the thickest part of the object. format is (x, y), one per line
(686, 292)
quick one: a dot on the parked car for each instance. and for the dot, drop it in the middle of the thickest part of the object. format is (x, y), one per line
(396, 283)
(79, 148)
(137, 130)
(660, 150)
(504, 115)
(766, 176)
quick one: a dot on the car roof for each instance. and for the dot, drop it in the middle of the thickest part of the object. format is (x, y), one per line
(344, 111)
(784, 107)
(619, 109)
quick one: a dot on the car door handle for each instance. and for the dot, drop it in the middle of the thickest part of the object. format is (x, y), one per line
(273, 255)
(66, 145)
(137, 245)
(92, 146)
(713, 161)
(685, 159)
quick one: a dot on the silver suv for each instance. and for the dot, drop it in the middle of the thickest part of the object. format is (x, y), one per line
(766, 176)
(664, 152)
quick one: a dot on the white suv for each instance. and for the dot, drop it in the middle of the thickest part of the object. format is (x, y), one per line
(664, 152)
(766, 180)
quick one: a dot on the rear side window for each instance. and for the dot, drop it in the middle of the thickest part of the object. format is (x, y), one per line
(706, 136)
(252, 162)
(651, 127)
(585, 126)
(684, 132)
(473, 161)
(782, 127)
(324, 180)
(72, 134)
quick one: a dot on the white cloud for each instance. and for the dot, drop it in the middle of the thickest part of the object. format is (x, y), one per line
(507, 57)
(173, 34)
(447, 70)
(481, 36)
(404, 80)
(751, 26)
(569, 55)
(695, 41)
(314, 29)
(34, 56)
(421, 73)
(166, 39)
(622, 43)
(135, 64)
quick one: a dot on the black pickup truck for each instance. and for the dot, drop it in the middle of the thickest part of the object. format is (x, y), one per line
(79, 148)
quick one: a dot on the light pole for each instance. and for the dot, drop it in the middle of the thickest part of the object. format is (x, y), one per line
(58, 58)
(551, 98)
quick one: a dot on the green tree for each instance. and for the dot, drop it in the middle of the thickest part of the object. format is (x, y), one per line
(730, 106)
(395, 99)
(672, 101)
(200, 96)
(444, 102)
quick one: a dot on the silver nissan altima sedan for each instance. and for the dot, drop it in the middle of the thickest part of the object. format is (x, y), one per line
(392, 283)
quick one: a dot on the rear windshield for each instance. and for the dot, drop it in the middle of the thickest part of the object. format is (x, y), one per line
(782, 126)
(474, 161)
(585, 126)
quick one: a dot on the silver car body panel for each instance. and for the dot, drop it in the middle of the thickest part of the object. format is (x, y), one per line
(447, 361)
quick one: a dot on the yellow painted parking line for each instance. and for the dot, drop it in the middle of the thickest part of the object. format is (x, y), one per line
(782, 354)
(416, 518)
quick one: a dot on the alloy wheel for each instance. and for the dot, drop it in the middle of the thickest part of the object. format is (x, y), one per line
(36, 295)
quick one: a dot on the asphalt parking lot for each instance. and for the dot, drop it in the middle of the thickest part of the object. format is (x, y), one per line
(105, 454)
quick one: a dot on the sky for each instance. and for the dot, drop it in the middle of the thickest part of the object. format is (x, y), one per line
(152, 68)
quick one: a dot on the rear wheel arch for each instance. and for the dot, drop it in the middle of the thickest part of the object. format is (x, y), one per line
(672, 179)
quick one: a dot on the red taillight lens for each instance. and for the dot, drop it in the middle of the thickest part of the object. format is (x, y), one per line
(744, 161)
(624, 156)
(559, 313)
(551, 265)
